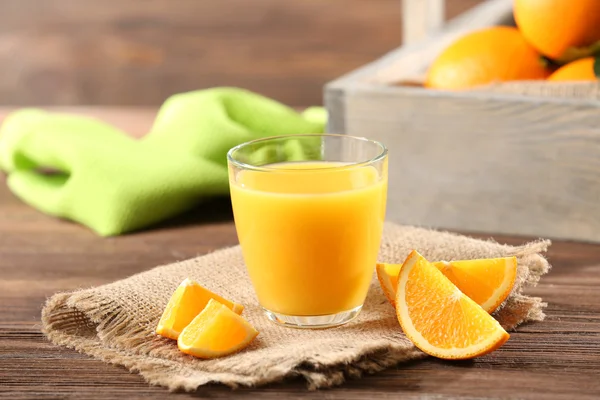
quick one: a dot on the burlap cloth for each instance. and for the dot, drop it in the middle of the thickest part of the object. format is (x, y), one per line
(116, 322)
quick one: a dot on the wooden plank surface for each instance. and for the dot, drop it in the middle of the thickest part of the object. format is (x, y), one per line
(131, 52)
(495, 163)
(555, 359)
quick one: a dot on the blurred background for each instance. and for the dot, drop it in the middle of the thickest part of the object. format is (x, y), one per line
(138, 52)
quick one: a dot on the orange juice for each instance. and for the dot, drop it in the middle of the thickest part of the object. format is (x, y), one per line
(310, 234)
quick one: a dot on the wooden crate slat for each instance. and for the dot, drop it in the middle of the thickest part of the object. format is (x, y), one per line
(421, 18)
(516, 167)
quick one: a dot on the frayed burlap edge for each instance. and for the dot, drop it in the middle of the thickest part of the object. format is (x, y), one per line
(104, 325)
(96, 327)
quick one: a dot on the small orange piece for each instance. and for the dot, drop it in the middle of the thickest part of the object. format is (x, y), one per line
(485, 56)
(188, 301)
(387, 275)
(488, 282)
(216, 331)
(438, 318)
(580, 70)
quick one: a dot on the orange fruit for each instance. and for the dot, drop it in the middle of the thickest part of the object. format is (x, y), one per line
(438, 318)
(579, 70)
(560, 29)
(494, 54)
(216, 331)
(188, 300)
(488, 282)
(387, 275)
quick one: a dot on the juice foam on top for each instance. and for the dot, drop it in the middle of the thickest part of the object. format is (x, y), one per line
(311, 177)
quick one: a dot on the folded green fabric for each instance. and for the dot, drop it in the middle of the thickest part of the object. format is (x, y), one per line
(85, 170)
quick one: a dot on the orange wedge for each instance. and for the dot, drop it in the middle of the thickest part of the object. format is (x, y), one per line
(486, 281)
(188, 301)
(387, 274)
(216, 331)
(438, 318)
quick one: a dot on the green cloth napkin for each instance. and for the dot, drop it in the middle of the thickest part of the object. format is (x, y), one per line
(87, 171)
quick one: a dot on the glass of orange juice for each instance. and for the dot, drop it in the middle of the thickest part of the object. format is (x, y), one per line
(309, 212)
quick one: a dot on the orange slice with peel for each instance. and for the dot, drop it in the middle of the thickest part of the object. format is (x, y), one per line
(387, 274)
(486, 281)
(438, 318)
(188, 300)
(216, 331)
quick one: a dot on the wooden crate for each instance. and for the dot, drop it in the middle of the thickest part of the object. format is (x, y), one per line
(475, 161)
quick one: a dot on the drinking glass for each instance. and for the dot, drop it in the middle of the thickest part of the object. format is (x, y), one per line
(309, 212)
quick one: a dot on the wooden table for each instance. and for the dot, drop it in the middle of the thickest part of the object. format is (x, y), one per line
(283, 49)
(555, 359)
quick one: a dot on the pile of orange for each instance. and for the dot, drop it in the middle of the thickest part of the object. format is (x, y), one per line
(549, 34)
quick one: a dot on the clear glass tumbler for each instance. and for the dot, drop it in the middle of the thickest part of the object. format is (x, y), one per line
(309, 212)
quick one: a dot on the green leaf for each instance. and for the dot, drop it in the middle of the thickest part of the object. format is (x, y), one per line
(597, 66)
(575, 53)
(548, 62)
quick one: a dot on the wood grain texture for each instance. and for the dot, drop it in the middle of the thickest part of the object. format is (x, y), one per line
(39, 255)
(477, 161)
(482, 163)
(135, 121)
(131, 52)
